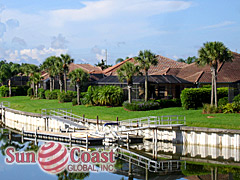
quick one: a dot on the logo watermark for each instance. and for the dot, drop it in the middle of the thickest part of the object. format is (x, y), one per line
(54, 158)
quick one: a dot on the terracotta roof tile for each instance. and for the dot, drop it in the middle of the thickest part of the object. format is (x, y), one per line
(163, 64)
(86, 67)
(227, 72)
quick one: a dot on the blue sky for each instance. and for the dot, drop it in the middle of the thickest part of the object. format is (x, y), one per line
(32, 30)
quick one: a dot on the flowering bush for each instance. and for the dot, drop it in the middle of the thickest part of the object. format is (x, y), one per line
(141, 106)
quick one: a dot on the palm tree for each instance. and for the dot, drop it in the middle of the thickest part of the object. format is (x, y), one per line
(189, 60)
(78, 77)
(14, 70)
(59, 71)
(66, 59)
(102, 65)
(119, 60)
(213, 53)
(145, 60)
(36, 79)
(29, 70)
(5, 72)
(49, 66)
(126, 72)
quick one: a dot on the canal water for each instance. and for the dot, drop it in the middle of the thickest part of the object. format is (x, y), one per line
(170, 161)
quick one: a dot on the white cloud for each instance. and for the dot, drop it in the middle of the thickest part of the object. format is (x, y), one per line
(101, 55)
(219, 25)
(95, 10)
(32, 55)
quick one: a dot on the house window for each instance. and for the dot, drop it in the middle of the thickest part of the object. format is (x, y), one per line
(161, 91)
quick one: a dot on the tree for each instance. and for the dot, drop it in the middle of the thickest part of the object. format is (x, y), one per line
(146, 59)
(189, 60)
(14, 70)
(102, 65)
(29, 70)
(66, 60)
(5, 72)
(59, 71)
(213, 53)
(78, 77)
(119, 60)
(50, 67)
(126, 72)
(36, 78)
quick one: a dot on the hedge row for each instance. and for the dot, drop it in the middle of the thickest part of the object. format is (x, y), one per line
(196, 97)
(16, 91)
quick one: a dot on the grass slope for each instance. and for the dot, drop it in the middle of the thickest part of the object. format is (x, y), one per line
(193, 117)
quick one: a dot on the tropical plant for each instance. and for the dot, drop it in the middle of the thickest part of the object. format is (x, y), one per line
(78, 78)
(49, 66)
(213, 53)
(126, 72)
(146, 59)
(14, 70)
(103, 96)
(59, 71)
(119, 60)
(36, 79)
(189, 60)
(5, 72)
(66, 61)
(102, 65)
(29, 70)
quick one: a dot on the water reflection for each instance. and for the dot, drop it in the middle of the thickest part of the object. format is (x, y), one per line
(139, 161)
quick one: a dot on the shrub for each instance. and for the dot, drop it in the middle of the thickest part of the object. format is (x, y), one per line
(64, 97)
(74, 102)
(208, 109)
(196, 97)
(52, 95)
(4, 91)
(30, 92)
(165, 103)
(231, 108)
(41, 93)
(73, 94)
(141, 106)
(223, 101)
(207, 86)
(103, 96)
(237, 98)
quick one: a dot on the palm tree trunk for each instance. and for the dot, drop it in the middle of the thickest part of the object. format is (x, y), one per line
(33, 86)
(146, 86)
(60, 84)
(50, 78)
(36, 90)
(65, 81)
(212, 87)
(129, 93)
(215, 86)
(10, 88)
(53, 83)
(78, 94)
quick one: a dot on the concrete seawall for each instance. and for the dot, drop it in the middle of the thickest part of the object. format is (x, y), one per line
(179, 135)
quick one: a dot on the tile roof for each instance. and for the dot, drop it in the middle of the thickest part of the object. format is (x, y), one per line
(95, 72)
(227, 72)
(163, 64)
(86, 67)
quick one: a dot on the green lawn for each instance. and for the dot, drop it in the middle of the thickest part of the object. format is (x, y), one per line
(193, 117)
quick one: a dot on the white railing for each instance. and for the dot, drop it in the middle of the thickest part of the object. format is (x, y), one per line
(154, 121)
